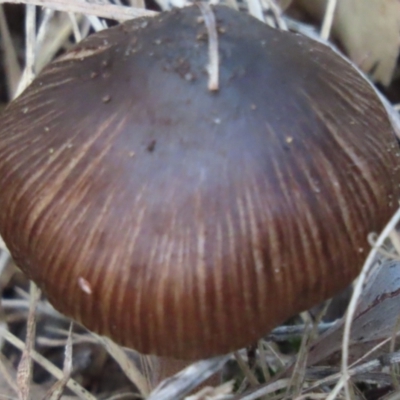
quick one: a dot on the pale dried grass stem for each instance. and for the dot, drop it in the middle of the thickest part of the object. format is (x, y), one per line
(328, 19)
(57, 389)
(256, 9)
(24, 371)
(185, 381)
(263, 363)
(263, 390)
(111, 11)
(81, 392)
(56, 36)
(11, 65)
(97, 24)
(47, 15)
(30, 46)
(75, 27)
(277, 13)
(129, 368)
(248, 373)
(4, 372)
(213, 55)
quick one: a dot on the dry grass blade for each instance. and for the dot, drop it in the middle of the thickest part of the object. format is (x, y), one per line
(54, 31)
(263, 390)
(56, 391)
(129, 368)
(211, 393)
(289, 332)
(368, 353)
(310, 333)
(3, 246)
(233, 4)
(297, 378)
(213, 66)
(81, 392)
(11, 66)
(248, 373)
(24, 372)
(75, 27)
(8, 386)
(276, 11)
(263, 361)
(179, 385)
(384, 361)
(255, 9)
(30, 44)
(328, 19)
(53, 34)
(6, 376)
(110, 11)
(4, 259)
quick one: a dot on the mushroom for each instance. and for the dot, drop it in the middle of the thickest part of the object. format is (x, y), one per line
(188, 223)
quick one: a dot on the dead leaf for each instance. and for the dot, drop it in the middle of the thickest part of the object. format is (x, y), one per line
(368, 31)
(375, 319)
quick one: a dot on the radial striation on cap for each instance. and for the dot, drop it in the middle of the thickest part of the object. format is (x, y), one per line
(184, 222)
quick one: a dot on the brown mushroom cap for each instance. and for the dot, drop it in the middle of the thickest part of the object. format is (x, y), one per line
(188, 223)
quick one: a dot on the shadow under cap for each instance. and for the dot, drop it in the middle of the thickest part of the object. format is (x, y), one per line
(186, 223)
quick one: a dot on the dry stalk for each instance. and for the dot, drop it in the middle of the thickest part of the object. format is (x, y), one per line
(248, 373)
(213, 66)
(57, 389)
(328, 19)
(80, 391)
(24, 371)
(185, 381)
(110, 11)
(11, 66)
(129, 368)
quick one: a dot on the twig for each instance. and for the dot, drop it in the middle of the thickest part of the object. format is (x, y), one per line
(111, 11)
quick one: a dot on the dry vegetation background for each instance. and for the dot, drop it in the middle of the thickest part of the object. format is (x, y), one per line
(325, 353)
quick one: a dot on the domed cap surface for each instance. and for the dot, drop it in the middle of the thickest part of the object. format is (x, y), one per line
(184, 222)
